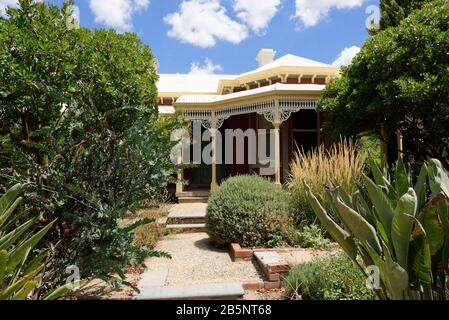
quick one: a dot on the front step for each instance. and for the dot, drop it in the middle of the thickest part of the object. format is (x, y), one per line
(183, 200)
(198, 196)
(213, 291)
(188, 214)
(188, 228)
(187, 220)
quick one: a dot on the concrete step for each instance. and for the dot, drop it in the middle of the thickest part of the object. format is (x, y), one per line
(183, 200)
(198, 217)
(194, 213)
(187, 215)
(153, 278)
(209, 291)
(186, 220)
(200, 194)
(188, 228)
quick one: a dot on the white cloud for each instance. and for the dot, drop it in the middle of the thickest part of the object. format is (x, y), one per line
(117, 13)
(203, 22)
(257, 14)
(310, 12)
(7, 3)
(207, 68)
(346, 56)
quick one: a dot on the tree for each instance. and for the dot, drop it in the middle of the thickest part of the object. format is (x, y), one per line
(399, 79)
(394, 11)
(79, 121)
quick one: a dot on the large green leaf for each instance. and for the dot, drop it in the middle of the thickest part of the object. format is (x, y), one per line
(360, 228)
(439, 180)
(36, 262)
(23, 293)
(63, 290)
(421, 186)
(10, 290)
(4, 215)
(9, 239)
(7, 200)
(420, 257)
(359, 203)
(394, 277)
(402, 226)
(443, 209)
(401, 179)
(379, 177)
(3, 261)
(432, 224)
(17, 255)
(381, 203)
(341, 236)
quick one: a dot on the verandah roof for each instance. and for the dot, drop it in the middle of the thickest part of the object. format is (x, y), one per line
(277, 88)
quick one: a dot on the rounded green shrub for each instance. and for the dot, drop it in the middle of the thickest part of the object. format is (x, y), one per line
(330, 278)
(250, 211)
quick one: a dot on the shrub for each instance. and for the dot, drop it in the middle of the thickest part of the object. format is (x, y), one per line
(329, 278)
(371, 145)
(311, 237)
(322, 167)
(96, 159)
(251, 211)
(149, 234)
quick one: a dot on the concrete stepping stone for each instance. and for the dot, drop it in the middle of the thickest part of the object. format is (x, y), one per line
(209, 291)
(153, 278)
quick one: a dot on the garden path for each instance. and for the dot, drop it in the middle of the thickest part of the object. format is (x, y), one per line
(199, 267)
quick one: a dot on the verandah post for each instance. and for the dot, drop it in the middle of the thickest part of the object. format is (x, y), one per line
(277, 134)
(214, 183)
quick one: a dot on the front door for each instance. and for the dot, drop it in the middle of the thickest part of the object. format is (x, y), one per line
(202, 174)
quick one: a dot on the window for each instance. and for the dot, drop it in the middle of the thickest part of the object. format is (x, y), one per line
(306, 134)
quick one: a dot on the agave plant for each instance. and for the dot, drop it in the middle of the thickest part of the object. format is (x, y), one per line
(399, 226)
(20, 275)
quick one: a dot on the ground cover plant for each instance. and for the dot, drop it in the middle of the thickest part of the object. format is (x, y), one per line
(328, 278)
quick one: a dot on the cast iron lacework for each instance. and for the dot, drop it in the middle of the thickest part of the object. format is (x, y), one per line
(287, 106)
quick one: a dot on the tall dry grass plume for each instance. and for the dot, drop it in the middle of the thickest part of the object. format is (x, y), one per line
(323, 166)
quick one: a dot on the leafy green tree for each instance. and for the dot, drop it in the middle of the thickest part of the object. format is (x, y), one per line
(399, 79)
(79, 121)
(394, 11)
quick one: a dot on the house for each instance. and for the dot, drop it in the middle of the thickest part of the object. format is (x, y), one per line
(279, 99)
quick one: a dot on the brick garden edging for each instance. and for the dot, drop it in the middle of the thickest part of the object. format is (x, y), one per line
(240, 254)
(274, 267)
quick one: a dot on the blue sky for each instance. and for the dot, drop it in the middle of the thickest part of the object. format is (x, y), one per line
(228, 33)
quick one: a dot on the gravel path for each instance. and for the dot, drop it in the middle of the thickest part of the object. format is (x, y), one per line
(195, 260)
